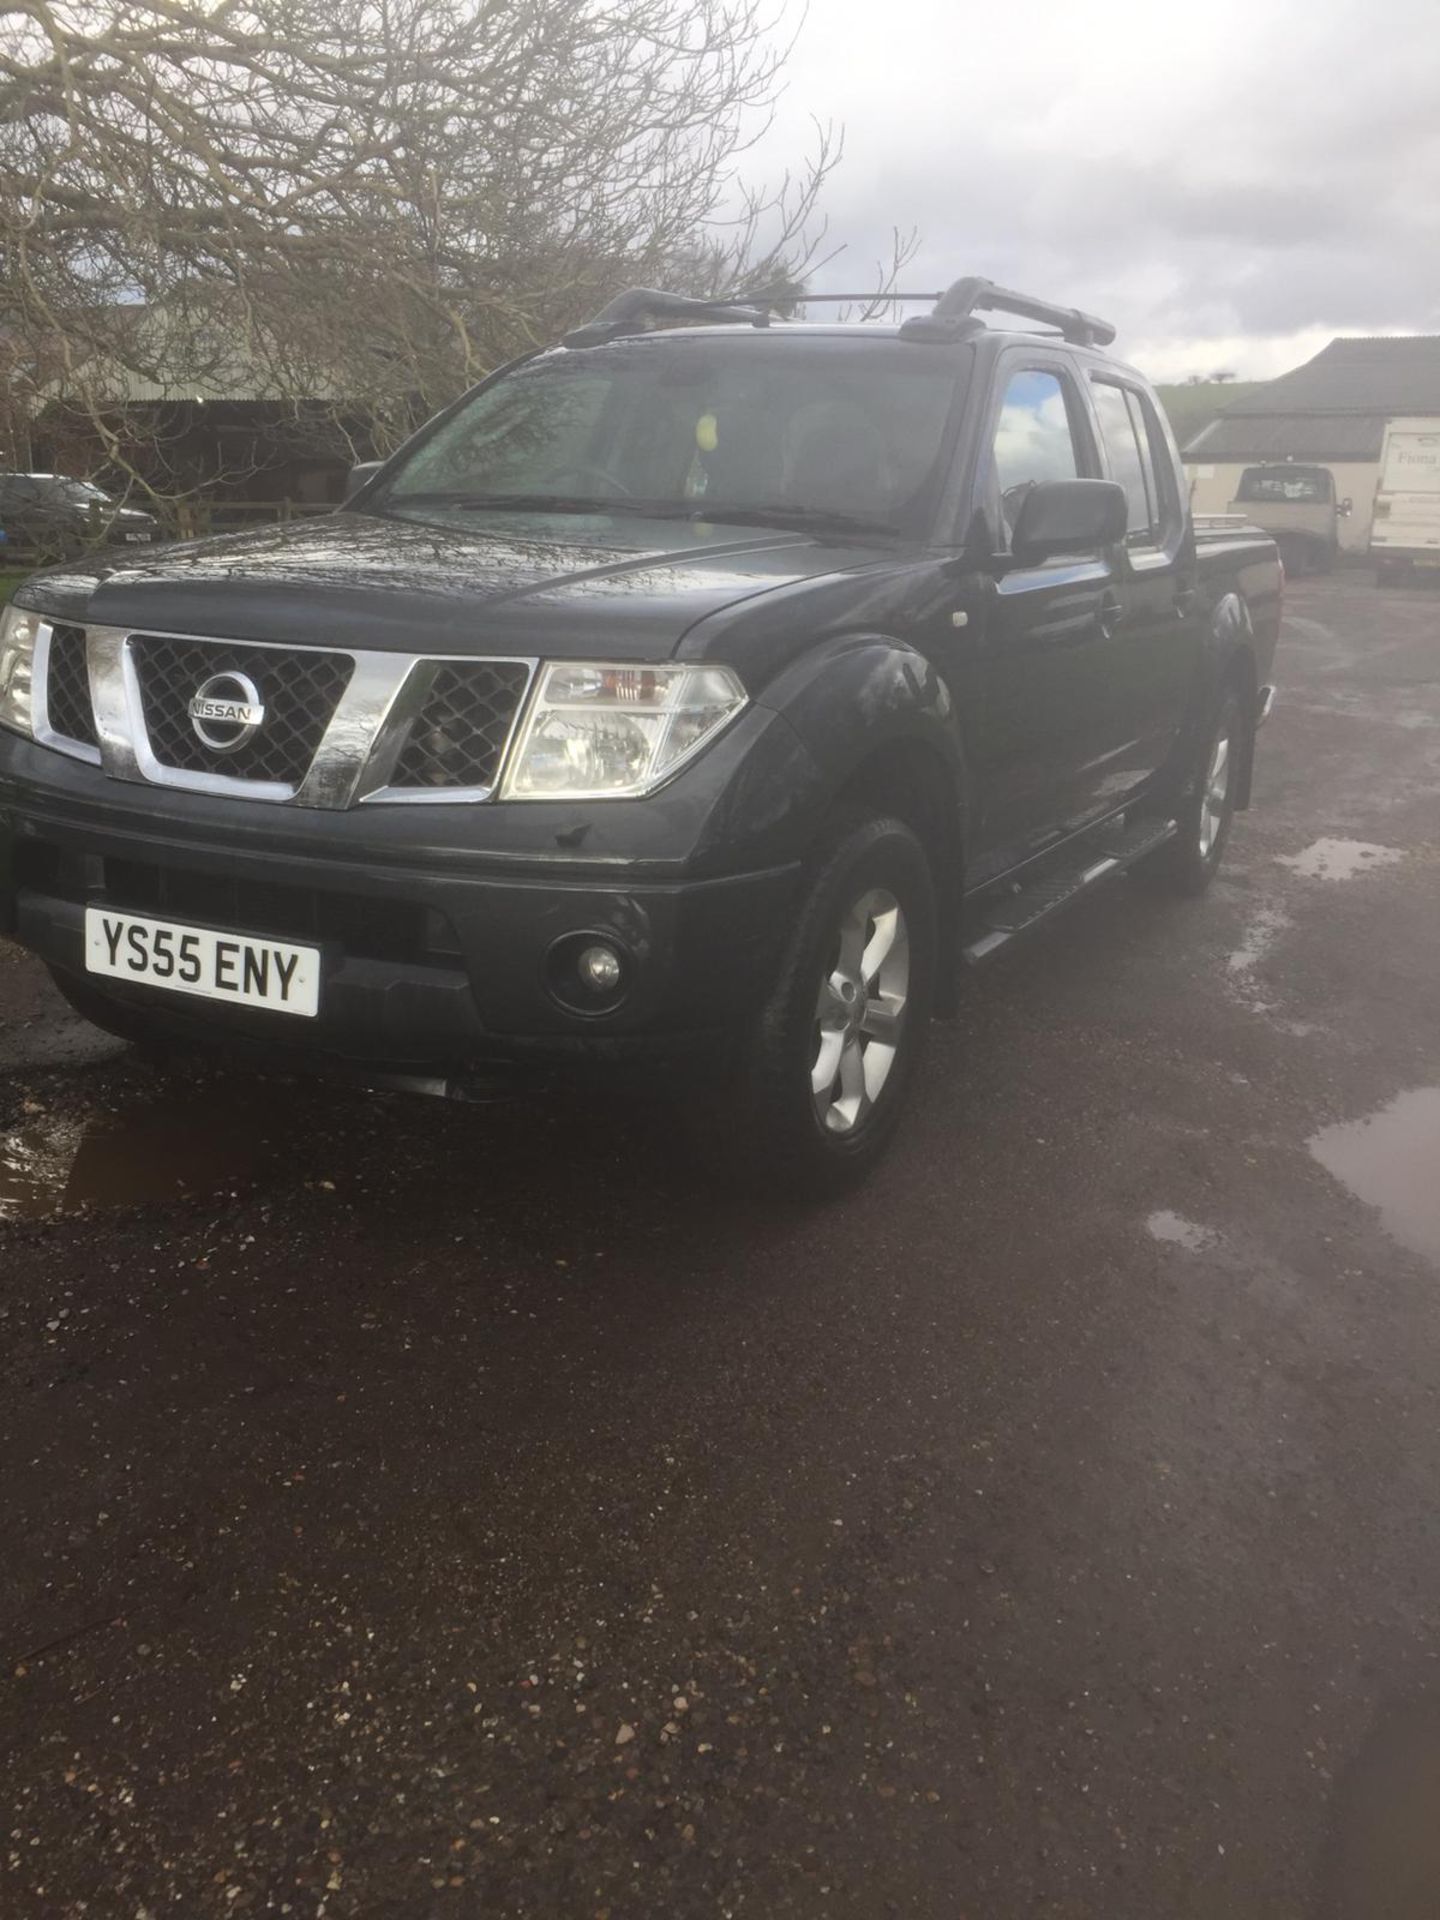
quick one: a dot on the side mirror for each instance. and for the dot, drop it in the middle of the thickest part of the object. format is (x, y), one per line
(1345, 509)
(1068, 516)
(358, 475)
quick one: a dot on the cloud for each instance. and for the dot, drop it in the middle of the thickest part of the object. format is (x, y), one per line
(1225, 181)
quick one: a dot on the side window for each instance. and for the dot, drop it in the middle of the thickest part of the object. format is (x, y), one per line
(1034, 440)
(1127, 452)
(1164, 486)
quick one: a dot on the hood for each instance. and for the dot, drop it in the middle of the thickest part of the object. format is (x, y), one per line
(529, 584)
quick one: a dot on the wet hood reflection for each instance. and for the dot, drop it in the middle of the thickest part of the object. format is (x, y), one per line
(518, 581)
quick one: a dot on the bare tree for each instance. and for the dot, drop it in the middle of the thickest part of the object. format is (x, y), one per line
(368, 203)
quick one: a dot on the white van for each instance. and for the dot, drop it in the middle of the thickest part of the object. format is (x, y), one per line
(1297, 507)
(1405, 532)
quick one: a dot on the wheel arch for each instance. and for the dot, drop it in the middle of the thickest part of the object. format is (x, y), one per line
(880, 723)
(1235, 669)
(909, 778)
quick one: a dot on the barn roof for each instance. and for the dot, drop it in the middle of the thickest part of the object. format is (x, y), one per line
(1291, 436)
(1334, 407)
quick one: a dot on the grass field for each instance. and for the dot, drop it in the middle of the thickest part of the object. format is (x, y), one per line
(8, 584)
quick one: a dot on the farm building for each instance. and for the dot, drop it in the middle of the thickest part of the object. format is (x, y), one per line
(1329, 413)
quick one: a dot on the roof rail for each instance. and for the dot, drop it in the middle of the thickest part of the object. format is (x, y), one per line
(953, 314)
(634, 311)
(955, 310)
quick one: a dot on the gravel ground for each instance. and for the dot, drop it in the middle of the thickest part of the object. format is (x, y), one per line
(427, 1511)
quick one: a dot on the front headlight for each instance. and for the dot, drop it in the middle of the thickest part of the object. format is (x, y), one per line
(18, 632)
(614, 732)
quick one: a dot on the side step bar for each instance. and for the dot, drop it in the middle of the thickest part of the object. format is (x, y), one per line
(1105, 855)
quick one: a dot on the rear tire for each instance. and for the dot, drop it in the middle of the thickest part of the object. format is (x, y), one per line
(1188, 863)
(826, 1065)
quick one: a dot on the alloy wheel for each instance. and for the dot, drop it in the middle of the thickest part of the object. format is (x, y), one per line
(860, 1010)
(1215, 793)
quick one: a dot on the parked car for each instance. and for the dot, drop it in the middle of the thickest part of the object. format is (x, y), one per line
(1297, 506)
(46, 516)
(1405, 530)
(705, 693)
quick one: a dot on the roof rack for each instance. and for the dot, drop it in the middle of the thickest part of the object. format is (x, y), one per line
(640, 307)
(953, 314)
(632, 312)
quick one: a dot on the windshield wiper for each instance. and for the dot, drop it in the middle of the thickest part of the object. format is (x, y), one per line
(772, 514)
(798, 519)
(521, 503)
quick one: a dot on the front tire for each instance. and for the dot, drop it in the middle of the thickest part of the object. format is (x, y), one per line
(825, 1068)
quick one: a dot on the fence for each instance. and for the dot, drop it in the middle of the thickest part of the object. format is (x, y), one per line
(188, 519)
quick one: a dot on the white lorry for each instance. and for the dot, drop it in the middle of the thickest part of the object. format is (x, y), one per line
(1405, 531)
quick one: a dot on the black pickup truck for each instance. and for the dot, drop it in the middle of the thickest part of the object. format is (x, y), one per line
(709, 688)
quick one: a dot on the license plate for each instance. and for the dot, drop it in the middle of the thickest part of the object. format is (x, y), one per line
(239, 967)
(133, 537)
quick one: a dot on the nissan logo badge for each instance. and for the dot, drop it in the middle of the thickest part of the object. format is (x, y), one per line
(226, 710)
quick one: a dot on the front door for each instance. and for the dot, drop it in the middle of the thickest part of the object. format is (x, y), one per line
(1049, 643)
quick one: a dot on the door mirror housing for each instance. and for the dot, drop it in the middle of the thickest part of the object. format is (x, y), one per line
(1068, 516)
(1345, 508)
(358, 475)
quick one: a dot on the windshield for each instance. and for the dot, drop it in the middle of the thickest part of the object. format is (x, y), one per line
(779, 431)
(1284, 483)
(80, 493)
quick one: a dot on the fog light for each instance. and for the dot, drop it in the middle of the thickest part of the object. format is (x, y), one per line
(599, 969)
(589, 972)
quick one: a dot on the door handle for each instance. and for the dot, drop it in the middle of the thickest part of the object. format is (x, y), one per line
(1112, 612)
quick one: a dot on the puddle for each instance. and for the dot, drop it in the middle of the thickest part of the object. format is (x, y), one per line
(1384, 1844)
(1390, 1161)
(1341, 859)
(1180, 1232)
(197, 1141)
(1262, 930)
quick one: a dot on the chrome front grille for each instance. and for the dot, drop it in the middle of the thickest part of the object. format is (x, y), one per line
(68, 688)
(338, 728)
(299, 691)
(458, 736)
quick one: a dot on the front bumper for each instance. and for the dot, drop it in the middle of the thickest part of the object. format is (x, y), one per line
(437, 953)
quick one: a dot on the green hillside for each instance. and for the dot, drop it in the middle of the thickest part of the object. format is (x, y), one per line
(1192, 407)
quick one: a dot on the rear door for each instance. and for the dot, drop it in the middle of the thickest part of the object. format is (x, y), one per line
(1047, 646)
(1156, 640)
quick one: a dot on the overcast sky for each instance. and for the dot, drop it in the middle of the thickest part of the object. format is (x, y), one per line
(1233, 181)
